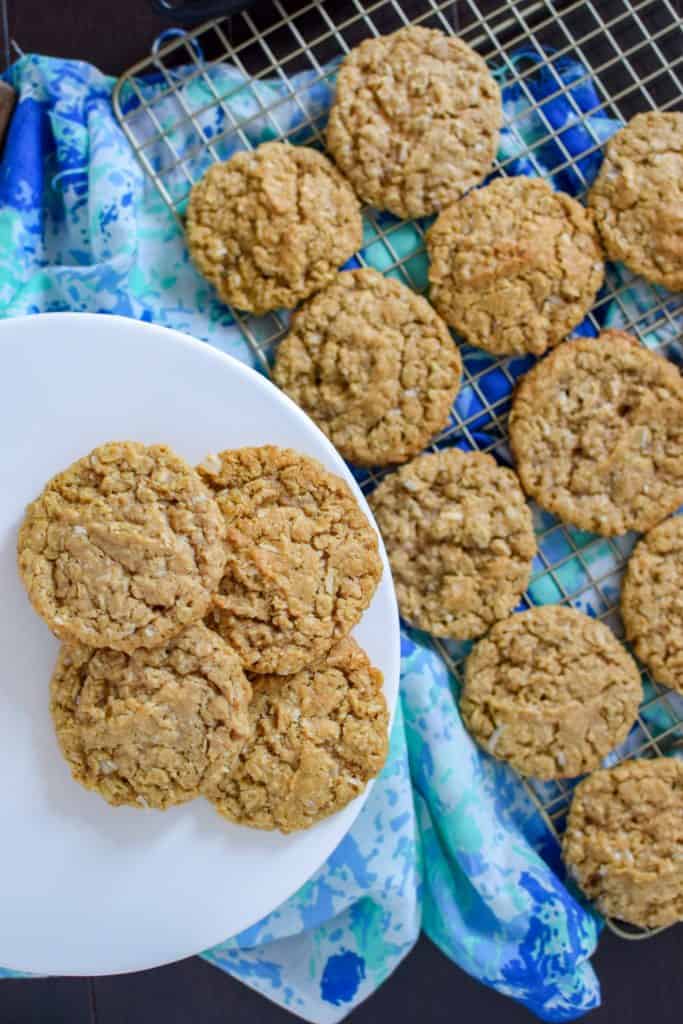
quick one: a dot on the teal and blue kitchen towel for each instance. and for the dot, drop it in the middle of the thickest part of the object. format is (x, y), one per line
(449, 841)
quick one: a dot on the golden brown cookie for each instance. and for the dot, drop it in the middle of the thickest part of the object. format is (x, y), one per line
(415, 120)
(303, 560)
(319, 736)
(638, 197)
(459, 538)
(149, 728)
(551, 691)
(652, 602)
(374, 366)
(624, 841)
(123, 549)
(597, 432)
(269, 227)
(514, 266)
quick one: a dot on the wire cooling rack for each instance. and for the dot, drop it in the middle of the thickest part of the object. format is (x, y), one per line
(635, 55)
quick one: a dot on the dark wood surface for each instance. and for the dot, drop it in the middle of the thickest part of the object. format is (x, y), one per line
(642, 981)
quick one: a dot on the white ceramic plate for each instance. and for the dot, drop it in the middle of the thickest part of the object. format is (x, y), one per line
(86, 888)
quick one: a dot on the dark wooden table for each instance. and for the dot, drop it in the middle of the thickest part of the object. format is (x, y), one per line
(641, 981)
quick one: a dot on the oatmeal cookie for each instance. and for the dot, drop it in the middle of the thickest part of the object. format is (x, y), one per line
(374, 366)
(415, 120)
(652, 602)
(624, 841)
(551, 691)
(303, 560)
(514, 266)
(459, 538)
(597, 432)
(638, 197)
(149, 728)
(319, 736)
(268, 228)
(123, 549)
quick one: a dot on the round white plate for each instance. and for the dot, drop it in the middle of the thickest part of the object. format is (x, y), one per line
(87, 888)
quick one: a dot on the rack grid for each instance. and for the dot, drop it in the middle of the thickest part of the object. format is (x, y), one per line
(632, 52)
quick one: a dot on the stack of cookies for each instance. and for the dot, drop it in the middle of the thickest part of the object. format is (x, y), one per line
(596, 428)
(205, 618)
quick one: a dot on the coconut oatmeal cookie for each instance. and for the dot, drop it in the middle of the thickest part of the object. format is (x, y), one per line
(374, 366)
(551, 691)
(624, 841)
(268, 228)
(149, 728)
(638, 197)
(459, 538)
(597, 432)
(514, 266)
(415, 120)
(123, 549)
(652, 602)
(302, 559)
(318, 737)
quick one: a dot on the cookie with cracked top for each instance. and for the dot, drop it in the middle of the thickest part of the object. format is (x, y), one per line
(373, 364)
(638, 197)
(302, 559)
(415, 120)
(551, 691)
(318, 737)
(268, 228)
(150, 728)
(596, 429)
(123, 549)
(460, 540)
(652, 602)
(514, 266)
(624, 841)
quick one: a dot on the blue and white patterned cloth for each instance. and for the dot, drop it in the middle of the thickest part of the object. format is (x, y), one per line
(462, 852)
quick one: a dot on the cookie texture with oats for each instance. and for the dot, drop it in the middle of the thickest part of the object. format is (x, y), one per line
(374, 366)
(151, 727)
(638, 197)
(302, 559)
(652, 602)
(415, 120)
(551, 691)
(460, 541)
(268, 228)
(123, 549)
(318, 737)
(597, 432)
(624, 841)
(514, 266)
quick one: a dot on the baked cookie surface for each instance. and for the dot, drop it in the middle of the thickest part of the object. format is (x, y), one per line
(652, 602)
(460, 540)
(624, 841)
(638, 197)
(319, 736)
(514, 266)
(596, 429)
(551, 691)
(302, 559)
(123, 549)
(374, 366)
(148, 728)
(269, 227)
(415, 120)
